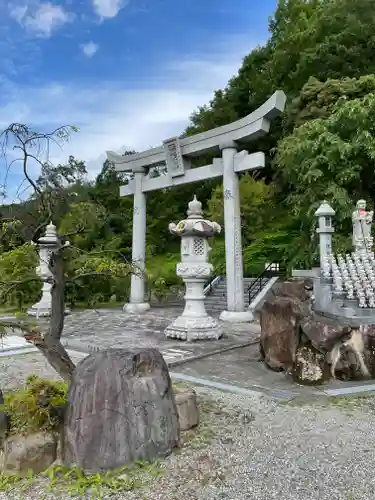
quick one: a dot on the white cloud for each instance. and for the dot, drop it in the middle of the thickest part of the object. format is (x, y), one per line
(18, 12)
(113, 118)
(108, 8)
(90, 49)
(41, 18)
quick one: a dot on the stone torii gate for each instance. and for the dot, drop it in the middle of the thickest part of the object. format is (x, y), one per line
(177, 154)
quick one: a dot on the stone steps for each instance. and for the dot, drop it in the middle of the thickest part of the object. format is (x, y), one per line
(216, 299)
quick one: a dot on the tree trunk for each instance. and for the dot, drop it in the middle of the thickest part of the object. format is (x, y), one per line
(50, 345)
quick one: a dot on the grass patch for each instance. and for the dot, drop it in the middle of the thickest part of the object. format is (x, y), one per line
(73, 482)
(180, 385)
(349, 402)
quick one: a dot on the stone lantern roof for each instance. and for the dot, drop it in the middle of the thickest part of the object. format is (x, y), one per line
(50, 235)
(195, 224)
(325, 210)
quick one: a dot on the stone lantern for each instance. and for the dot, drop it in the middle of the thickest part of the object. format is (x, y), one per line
(325, 229)
(47, 244)
(194, 269)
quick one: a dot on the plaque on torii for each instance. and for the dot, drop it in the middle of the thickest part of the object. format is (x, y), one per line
(177, 154)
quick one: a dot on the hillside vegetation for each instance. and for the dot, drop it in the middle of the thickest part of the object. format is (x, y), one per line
(320, 53)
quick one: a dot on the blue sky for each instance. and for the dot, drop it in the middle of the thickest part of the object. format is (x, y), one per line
(128, 73)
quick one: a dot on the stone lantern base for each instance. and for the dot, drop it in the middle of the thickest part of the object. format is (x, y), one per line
(40, 311)
(190, 329)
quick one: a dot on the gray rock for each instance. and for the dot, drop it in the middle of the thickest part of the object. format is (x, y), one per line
(121, 408)
(279, 331)
(187, 409)
(34, 452)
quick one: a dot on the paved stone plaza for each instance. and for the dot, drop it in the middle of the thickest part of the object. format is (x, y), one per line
(89, 330)
(231, 363)
(104, 328)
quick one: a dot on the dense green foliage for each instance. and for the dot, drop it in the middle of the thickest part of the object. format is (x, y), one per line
(320, 53)
(34, 407)
(19, 265)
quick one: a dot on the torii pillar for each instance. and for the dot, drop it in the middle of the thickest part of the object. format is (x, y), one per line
(177, 154)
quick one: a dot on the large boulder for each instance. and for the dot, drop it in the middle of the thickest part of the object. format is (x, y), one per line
(280, 317)
(278, 339)
(121, 408)
(312, 347)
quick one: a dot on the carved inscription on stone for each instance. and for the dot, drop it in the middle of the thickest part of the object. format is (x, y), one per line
(185, 247)
(200, 270)
(174, 159)
(238, 257)
(227, 194)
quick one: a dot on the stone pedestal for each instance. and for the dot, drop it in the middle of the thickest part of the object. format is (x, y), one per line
(47, 244)
(237, 316)
(325, 231)
(43, 308)
(136, 308)
(194, 323)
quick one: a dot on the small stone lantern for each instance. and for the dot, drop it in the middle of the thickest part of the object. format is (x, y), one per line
(194, 269)
(47, 244)
(325, 229)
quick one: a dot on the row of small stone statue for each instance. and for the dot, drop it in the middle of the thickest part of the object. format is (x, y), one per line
(353, 276)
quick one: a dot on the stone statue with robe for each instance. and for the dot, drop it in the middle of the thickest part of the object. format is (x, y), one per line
(362, 220)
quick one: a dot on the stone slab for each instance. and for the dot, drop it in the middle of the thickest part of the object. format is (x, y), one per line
(11, 342)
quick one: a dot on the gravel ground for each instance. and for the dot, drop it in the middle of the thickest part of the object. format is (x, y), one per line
(260, 450)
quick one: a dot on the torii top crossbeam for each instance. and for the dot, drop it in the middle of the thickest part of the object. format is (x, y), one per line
(242, 131)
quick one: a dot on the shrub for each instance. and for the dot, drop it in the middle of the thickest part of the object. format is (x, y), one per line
(36, 406)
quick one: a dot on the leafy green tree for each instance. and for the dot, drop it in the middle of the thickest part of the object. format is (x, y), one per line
(83, 222)
(331, 158)
(317, 99)
(53, 178)
(10, 234)
(18, 266)
(325, 39)
(102, 275)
